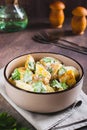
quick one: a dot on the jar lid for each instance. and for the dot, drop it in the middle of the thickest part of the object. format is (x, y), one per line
(57, 5)
(80, 11)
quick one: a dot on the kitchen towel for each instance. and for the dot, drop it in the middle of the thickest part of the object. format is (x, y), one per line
(45, 121)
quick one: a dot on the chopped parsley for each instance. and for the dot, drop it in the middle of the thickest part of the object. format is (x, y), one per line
(49, 60)
(27, 76)
(49, 70)
(39, 87)
(8, 122)
(40, 76)
(64, 86)
(16, 75)
(61, 71)
(57, 84)
(31, 65)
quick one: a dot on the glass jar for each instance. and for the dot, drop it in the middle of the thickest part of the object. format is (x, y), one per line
(12, 17)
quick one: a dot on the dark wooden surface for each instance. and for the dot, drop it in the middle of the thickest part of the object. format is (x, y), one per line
(17, 43)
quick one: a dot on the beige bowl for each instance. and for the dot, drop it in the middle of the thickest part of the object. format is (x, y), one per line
(42, 102)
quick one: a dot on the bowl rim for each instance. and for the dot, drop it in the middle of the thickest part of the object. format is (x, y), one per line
(47, 93)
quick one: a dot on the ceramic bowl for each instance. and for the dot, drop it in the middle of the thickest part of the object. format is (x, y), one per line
(43, 102)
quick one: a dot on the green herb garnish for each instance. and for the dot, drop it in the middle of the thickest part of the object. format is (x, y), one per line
(31, 65)
(39, 87)
(55, 83)
(64, 85)
(61, 71)
(8, 122)
(16, 74)
(49, 60)
(40, 76)
(50, 70)
(27, 76)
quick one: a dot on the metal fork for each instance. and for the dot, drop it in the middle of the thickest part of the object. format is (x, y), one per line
(55, 42)
(71, 124)
(44, 38)
(50, 37)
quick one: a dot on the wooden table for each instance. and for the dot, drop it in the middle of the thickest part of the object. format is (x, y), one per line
(17, 43)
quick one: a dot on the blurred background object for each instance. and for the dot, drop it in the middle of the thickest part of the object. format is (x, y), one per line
(12, 16)
(39, 9)
(56, 16)
(79, 21)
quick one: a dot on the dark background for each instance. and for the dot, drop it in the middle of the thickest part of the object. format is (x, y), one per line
(40, 8)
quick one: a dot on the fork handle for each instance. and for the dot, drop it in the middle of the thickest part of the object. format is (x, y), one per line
(81, 128)
(69, 48)
(74, 44)
(71, 124)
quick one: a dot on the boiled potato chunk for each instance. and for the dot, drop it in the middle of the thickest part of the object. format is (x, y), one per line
(30, 63)
(42, 74)
(68, 77)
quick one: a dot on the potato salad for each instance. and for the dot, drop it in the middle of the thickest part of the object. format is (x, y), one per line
(45, 75)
